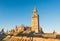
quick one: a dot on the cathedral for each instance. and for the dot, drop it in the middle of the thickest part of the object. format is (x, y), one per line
(33, 33)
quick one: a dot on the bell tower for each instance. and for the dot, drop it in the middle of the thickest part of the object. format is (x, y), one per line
(35, 21)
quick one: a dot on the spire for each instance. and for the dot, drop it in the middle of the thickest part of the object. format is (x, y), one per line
(54, 32)
(35, 10)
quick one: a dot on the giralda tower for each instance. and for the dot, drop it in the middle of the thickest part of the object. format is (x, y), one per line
(35, 21)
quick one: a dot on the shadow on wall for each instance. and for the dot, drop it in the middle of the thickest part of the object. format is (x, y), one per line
(58, 37)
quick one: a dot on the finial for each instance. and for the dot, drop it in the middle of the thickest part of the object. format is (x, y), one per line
(35, 10)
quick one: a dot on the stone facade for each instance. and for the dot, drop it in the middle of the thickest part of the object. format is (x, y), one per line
(25, 38)
(35, 21)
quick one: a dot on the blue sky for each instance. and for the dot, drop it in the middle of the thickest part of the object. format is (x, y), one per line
(17, 12)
